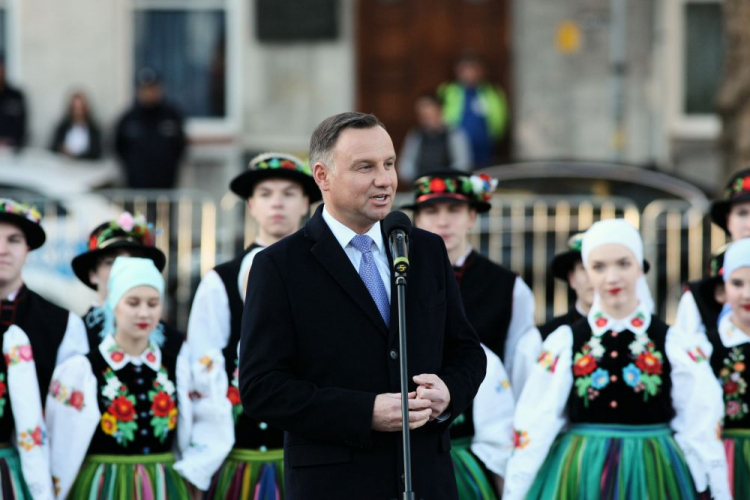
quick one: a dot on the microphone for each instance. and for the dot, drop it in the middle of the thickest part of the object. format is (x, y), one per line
(397, 227)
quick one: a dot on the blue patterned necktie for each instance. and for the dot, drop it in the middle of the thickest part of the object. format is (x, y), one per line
(368, 271)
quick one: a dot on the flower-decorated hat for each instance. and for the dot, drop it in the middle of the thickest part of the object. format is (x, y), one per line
(454, 185)
(132, 233)
(737, 190)
(27, 218)
(275, 165)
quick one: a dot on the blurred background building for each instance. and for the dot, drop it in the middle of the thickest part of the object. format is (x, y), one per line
(598, 82)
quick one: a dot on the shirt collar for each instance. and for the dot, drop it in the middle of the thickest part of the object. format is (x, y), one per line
(730, 335)
(12, 296)
(637, 322)
(116, 358)
(462, 260)
(344, 235)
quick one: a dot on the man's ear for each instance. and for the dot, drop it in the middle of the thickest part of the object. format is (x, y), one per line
(321, 175)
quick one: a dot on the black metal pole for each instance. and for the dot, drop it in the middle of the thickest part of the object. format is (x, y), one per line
(406, 438)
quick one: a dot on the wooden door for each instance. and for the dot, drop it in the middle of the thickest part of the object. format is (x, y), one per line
(409, 47)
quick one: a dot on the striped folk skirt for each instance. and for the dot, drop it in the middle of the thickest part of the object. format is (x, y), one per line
(471, 477)
(250, 475)
(12, 484)
(737, 447)
(593, 461)
(129, 477)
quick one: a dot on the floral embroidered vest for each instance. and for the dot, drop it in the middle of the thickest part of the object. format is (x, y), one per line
(138, 406)
(620, 378)
(730, 366)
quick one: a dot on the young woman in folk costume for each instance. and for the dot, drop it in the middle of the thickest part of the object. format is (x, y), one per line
(701, 304)
(132, 420)
(731, 354)
(126, 236)
(619, 405)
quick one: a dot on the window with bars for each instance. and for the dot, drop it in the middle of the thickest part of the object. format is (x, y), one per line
(185, 42)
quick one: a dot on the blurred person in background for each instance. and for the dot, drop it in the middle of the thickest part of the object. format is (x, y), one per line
(126, 236)
(150, 139)
(432, 145)
(477, 106)
(568, 267)
(77, 135)
(498, 304)
(12, 113)
(701, 304)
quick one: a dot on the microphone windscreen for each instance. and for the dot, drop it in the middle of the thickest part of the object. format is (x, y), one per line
(396, 220)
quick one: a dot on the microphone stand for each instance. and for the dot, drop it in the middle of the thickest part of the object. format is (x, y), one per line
(401, 269)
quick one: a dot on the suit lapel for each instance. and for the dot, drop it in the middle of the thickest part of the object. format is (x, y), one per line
(334, 260)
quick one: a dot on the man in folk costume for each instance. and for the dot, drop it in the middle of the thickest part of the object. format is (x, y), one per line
(481, 437)
(126, 236)
(278, 189)
(568, 267)
(55, 333)
(499, 305)
(31, 328)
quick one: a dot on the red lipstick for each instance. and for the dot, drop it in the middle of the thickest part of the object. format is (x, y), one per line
(614, 291)
(142, 326)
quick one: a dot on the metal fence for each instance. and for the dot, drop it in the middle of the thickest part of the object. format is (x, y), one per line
(520, 232)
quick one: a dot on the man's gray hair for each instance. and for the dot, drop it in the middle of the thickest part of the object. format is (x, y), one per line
(326, 134)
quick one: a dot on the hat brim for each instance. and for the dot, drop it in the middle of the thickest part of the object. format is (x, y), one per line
(563, 263)
(479, 206)
(720, 209)
(84, 263)
(35, 235)
(243, 184)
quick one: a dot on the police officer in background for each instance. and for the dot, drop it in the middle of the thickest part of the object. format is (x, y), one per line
(150, 139)
(12, 113)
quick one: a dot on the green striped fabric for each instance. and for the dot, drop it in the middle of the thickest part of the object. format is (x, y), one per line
(472, 482)
(249, 474)
(590, 462)
(128, 477)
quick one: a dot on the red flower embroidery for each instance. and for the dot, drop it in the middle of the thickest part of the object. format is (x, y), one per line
(162, 404)
(746, 184)
(122, 409)
(76, 400)
(117, 356)
(648, 363)
(3, 388)
(437, 185)
(287, 165)
(234, 395)
(92, 242)
(730, 387)
(585, 365)
(601, 322)
(37, 436)
(150, 357)
(637, 322)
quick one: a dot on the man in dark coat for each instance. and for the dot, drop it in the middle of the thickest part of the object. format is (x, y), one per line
(319, 351)
(150, 139)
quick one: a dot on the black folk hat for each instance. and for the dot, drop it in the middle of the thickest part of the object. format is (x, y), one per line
(737, 191)
(275, 166)
(453, 185)
(27, 218)
(125, 232)
(565, 262)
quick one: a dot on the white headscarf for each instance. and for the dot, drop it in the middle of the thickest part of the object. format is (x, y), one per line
(736, 256)
(619, 232)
